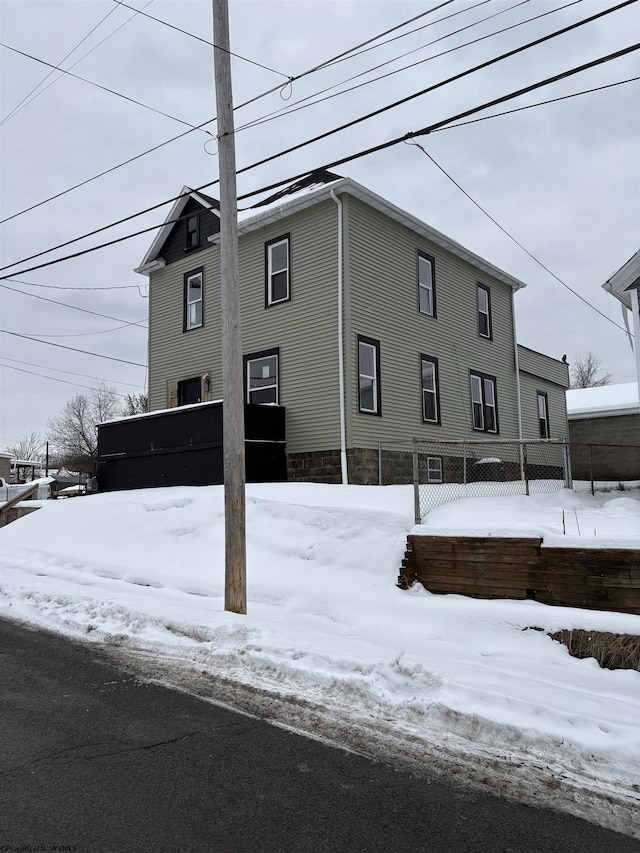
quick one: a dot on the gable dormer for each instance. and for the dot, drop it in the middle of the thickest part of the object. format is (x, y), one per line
(193, 218)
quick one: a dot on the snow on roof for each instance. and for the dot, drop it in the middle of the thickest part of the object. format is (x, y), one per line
(600, 402)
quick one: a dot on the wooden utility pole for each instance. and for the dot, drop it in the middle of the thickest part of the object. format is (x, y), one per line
(235, 590)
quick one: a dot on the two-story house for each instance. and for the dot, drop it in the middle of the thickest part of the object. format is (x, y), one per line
(365, 323)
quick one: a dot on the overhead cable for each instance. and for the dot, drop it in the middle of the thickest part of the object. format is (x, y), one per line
(353, 122)
(73, 349)
(209, 121)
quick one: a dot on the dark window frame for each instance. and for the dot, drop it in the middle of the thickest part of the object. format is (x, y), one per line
(484, 377)
(190, 233)
(543, 395)
(268, 289)
(488, 336)
(256, 356)
(433, 360)
(185, 381)
(186, 327)
(426, 257)
(375, 344)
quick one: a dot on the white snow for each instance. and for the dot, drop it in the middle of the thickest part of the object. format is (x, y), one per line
(457, 684)
(606, 400)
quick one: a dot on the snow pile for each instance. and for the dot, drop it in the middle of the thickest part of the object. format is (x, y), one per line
(455, 681)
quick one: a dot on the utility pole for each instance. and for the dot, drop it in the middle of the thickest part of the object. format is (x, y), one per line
(235, 590)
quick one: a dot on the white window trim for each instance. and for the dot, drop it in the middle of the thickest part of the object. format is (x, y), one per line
(271, 272)
(484, 313)
(438, 477)
(427, 288)
(275, 383)
(374, 378)
(541, 395)
(188, 303)
(436, 397)
(479, 383)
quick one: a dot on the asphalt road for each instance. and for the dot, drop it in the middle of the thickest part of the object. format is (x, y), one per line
(93, 760)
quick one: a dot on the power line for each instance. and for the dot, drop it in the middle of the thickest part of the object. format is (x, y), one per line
(82, 334)
(22, 105)
(197, 38)
(353, 122)
(511, 237)
(46, 77)
(73, 349)
(327, 166)
(68, 372)
(64, 381)
(303, 103)
(252, 100)
(104, 88)
(538, 104)
(72, 287)
(74, 307)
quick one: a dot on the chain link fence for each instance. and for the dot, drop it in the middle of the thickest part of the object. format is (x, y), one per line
(443, 471)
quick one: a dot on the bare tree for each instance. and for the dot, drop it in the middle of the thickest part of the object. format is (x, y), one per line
(136, 404)
(584, 373)
(73, 431)
(29, 447)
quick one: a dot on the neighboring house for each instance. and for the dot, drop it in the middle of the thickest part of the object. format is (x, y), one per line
(604, 430)
(365, 323)
(5, 465)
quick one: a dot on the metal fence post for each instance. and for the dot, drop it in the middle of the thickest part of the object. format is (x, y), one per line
(593, 491)
(379, 463)
(464, 464)
(566, 459)
(416, 483)
(526, 468)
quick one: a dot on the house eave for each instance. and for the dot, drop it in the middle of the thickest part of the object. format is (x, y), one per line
(624, 280)
(351, 187)
(152, 266)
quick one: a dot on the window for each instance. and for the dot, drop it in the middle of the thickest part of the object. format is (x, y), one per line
(430, 401)
(278, 284)
(484, 406)
(426, 285)
(193, 231)
(262, 377)
(434, 469)
(189, 391)
(543, 414)
(193, 287)
(484, 311)
(368, 376)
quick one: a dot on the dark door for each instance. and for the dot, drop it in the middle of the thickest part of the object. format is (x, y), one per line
(189, 391)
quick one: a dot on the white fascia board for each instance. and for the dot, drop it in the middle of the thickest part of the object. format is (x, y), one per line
(624, 279)
(350, 187)
(176, 210)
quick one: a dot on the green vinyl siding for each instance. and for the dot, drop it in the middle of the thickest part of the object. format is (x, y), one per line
(304, 328)
(383, 304)
(539, 372)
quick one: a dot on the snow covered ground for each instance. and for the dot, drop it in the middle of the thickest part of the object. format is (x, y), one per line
(332, 647)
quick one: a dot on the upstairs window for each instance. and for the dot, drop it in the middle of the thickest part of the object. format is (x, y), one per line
(543, 414)
(368, 376)
(430, 395)
(484, 406)
(193, 299)
(278, 271)
(262, 377)
(426, 285)
(193, 231)
(484, 311)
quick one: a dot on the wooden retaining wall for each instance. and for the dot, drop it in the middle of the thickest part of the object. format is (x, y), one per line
(493, 567)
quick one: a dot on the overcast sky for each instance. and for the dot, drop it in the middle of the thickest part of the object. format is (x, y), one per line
(562, 178)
